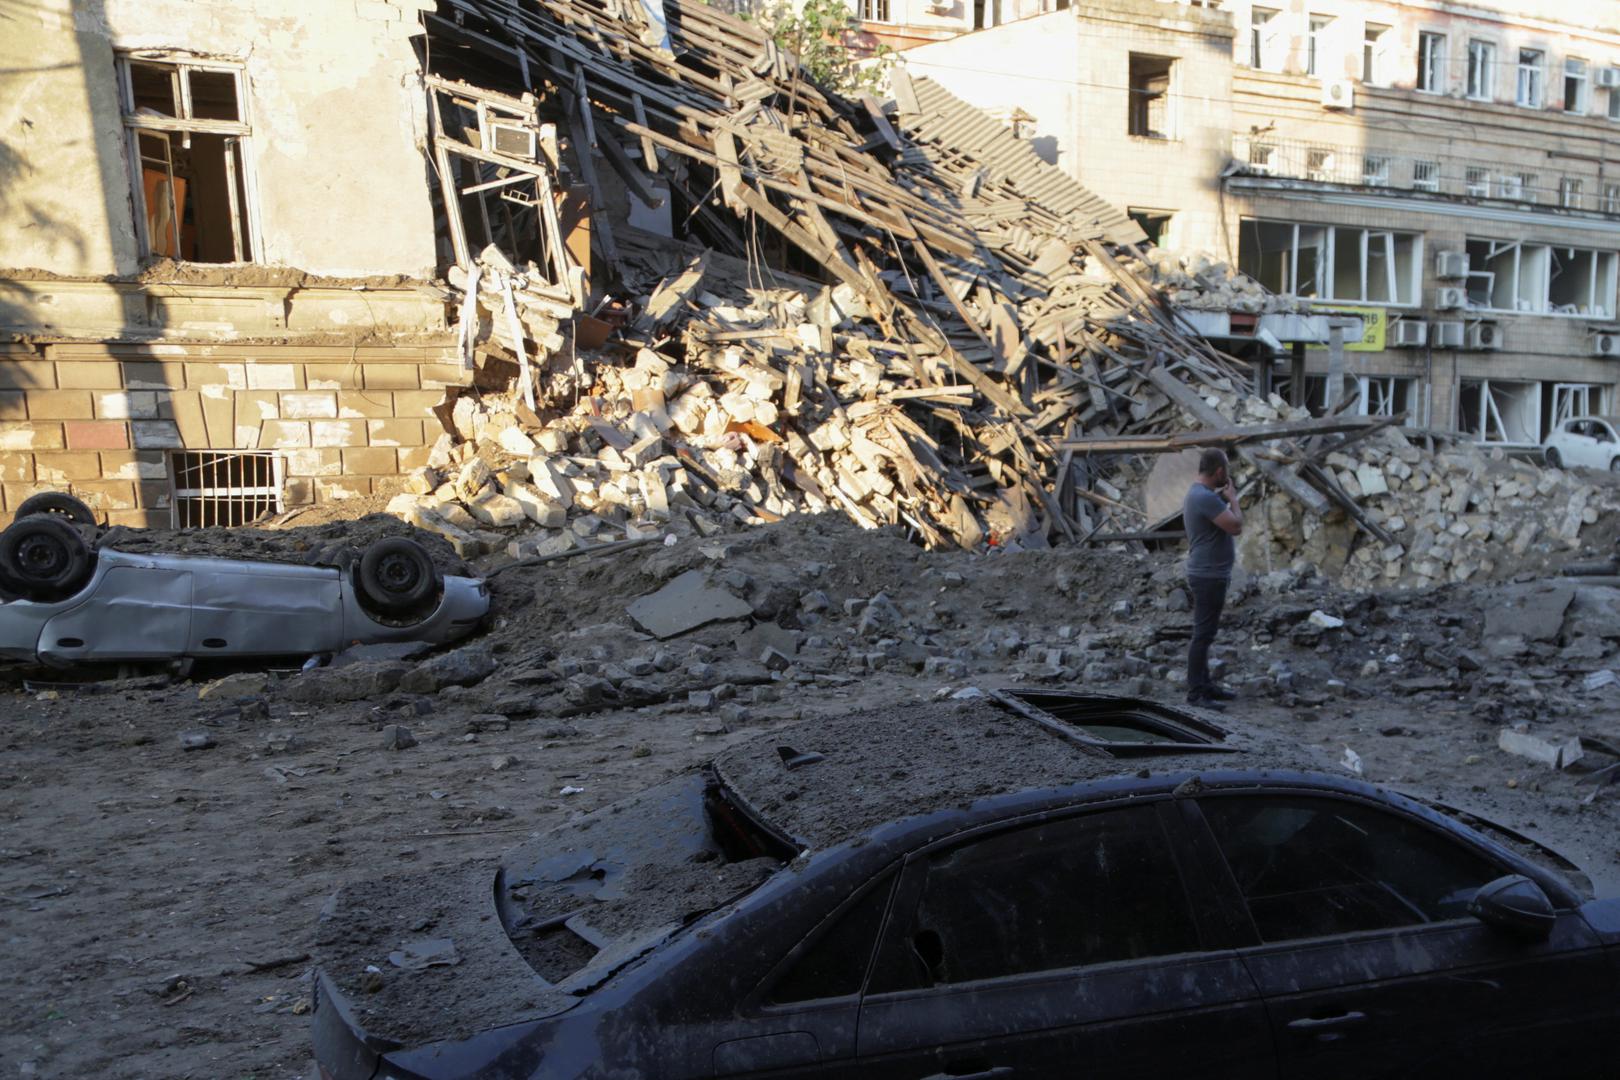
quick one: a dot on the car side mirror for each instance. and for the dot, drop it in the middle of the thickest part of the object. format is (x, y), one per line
(1514, 904)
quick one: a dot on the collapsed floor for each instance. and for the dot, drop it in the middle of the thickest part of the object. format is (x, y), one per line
(161, 902)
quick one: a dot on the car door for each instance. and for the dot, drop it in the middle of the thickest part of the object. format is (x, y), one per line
(256, 608)
(1580, 446)
(1070, 946)
(1370, 965)
(1603, 444)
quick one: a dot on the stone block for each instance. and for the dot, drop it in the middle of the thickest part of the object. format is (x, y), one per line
(18, 435)
(416, 403)
(332, 376)
(390, 376)
(370, 461)
(497, 510)
(347, 487)
(141, 519)
(298, 491)
(17, 468)
(199, 375)
(89, 375)
(13, 405)
(127, 405)
(60, 468)
(100, 434)
(309, 405)
(413, 457)
(134, 465)
(188, 418)
(12, 495)
(283, 434)
(325, 461)
(337, 432)
(60, 405)
(440, 375)
(274, 377)
(395, 432)
(153, 375)
(27, 375)
(153, 495)
(107, 494)
(365, 404)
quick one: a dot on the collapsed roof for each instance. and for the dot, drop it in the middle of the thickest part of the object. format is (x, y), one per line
(980, 284)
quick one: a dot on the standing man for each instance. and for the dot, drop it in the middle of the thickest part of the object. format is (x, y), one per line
(1212, 517)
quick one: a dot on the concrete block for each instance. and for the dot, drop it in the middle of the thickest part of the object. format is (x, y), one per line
(153, 375)
(199, 375)
(309, 405)
(60, 405)
(13, 405)
(395, 432)
(338, 432)
(274, 377)
(280, 434)
(390, 376)
(17, 468)
(365, 404)
(26, 435)
(308, 461)
(370, 461)
(347, 487)
(686, 603)
(1558, 751)
(417, 404)
(27, 375)
(107, 494)
(332, 376)
(127, 405)
(89, 375)
(497, 510)
(134, 465)
(60, 468)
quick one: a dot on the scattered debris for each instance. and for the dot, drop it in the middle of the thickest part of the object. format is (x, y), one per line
(1560, 753)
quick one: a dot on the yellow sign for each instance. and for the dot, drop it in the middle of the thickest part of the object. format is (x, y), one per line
(1374, 321)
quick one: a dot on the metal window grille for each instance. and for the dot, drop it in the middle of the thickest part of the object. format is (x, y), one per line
(224, 489)
(1426, 175)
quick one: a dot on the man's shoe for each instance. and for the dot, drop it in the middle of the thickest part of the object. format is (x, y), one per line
(1219, 693)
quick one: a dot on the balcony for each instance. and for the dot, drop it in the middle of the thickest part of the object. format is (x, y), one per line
(1325, 163)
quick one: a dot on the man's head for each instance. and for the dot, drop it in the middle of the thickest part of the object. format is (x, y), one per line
(1212, 467)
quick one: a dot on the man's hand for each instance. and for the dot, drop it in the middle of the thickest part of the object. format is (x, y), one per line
(1229, 493)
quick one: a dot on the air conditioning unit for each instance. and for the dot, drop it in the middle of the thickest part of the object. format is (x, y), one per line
(1451, 265)
(1606, 343)
(1608, 78)
(1485, 337)
(1409, 334)
(1448, 334)
(1450, 298)
(941, 7)
(1338, 94)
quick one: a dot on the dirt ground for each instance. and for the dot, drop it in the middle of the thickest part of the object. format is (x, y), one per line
(158, 904)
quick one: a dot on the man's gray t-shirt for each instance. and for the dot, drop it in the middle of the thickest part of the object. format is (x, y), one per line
(1209, 547)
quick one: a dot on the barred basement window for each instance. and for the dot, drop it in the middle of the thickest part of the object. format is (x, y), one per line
(224, 489)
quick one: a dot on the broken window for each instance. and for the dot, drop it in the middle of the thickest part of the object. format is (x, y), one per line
(1372, 54)
(1425, 176)
(1500, 411)
(1510, 275)
(1150, 96)
(1320, 164)
(1092, 889)
(226, 490)
(1582, 282)
(1477, 181)
(1263, 44)
(1575, 399)
(1611, 198)
(1314, 867)
(1385, 395)
(1375, 171)
(1529, 91)
(1481, 70)
(1156, 223)
(1369, 265)
(833, 962)
(1575, 86)
(1431, 62)
(1261, 157)
(188, 146)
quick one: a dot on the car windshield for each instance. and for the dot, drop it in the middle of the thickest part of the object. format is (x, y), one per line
(582, 902)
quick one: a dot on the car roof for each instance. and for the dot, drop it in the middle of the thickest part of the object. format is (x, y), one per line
(887, 764)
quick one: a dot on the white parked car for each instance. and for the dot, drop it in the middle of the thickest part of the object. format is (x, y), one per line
(1584, 440)
(64, 599)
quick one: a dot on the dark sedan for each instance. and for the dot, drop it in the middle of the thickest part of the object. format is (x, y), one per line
(1041, 886)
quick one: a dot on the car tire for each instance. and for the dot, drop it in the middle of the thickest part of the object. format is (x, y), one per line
(1614, 465)
(59, 503)
(43, 558)
(397, 577)
(1553, 460)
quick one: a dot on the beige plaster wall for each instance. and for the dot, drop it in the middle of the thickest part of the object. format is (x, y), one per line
(333, 95)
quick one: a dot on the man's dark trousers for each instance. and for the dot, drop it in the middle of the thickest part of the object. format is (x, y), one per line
(1208, 598)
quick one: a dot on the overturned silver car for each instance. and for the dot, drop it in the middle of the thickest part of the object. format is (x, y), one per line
(63, 600)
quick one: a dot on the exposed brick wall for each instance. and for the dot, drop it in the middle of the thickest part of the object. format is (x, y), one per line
(100, 420)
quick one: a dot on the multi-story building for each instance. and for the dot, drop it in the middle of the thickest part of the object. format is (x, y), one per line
(217, 250)
(1449, 171)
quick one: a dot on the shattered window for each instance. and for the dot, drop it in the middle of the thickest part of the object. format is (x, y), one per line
(1150, 96)
(834, 964)
(1092, 889)
(1318, 867)
(188, 148)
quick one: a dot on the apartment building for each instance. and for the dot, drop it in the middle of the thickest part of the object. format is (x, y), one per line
(217, 249)
(1448, 172)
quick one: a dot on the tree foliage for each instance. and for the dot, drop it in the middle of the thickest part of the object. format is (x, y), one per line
(827, 38)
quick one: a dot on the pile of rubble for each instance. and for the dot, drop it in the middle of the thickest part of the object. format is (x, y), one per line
(1201, 282)
(1457, 514)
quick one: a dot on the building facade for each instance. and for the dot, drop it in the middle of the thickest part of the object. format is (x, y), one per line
(217, 245)
(1449, 172)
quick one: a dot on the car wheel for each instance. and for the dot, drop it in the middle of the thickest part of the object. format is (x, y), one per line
(58, 503)
(44, 558)
(1553, 460)
(1614, 465)
(397, 577)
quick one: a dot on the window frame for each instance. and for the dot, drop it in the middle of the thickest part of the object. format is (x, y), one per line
(759, 1000)
(881, 11)
(1431, 62)
(1212, 923)
(1315, 27)
(1430, 184)
(1375, 38)
(1259, 31)
(1225, 878)
(1530, 83)
(1140, 102)
(167, 128)
(1481, 63)
(1408, 293)
(1582, 86)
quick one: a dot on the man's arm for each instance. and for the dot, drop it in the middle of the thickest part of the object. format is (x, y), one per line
(1229, 520)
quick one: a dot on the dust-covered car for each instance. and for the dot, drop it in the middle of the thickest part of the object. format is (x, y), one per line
(1042, 887)
(65, 599)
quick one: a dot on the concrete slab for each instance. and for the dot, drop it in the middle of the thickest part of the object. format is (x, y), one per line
(686, 603)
